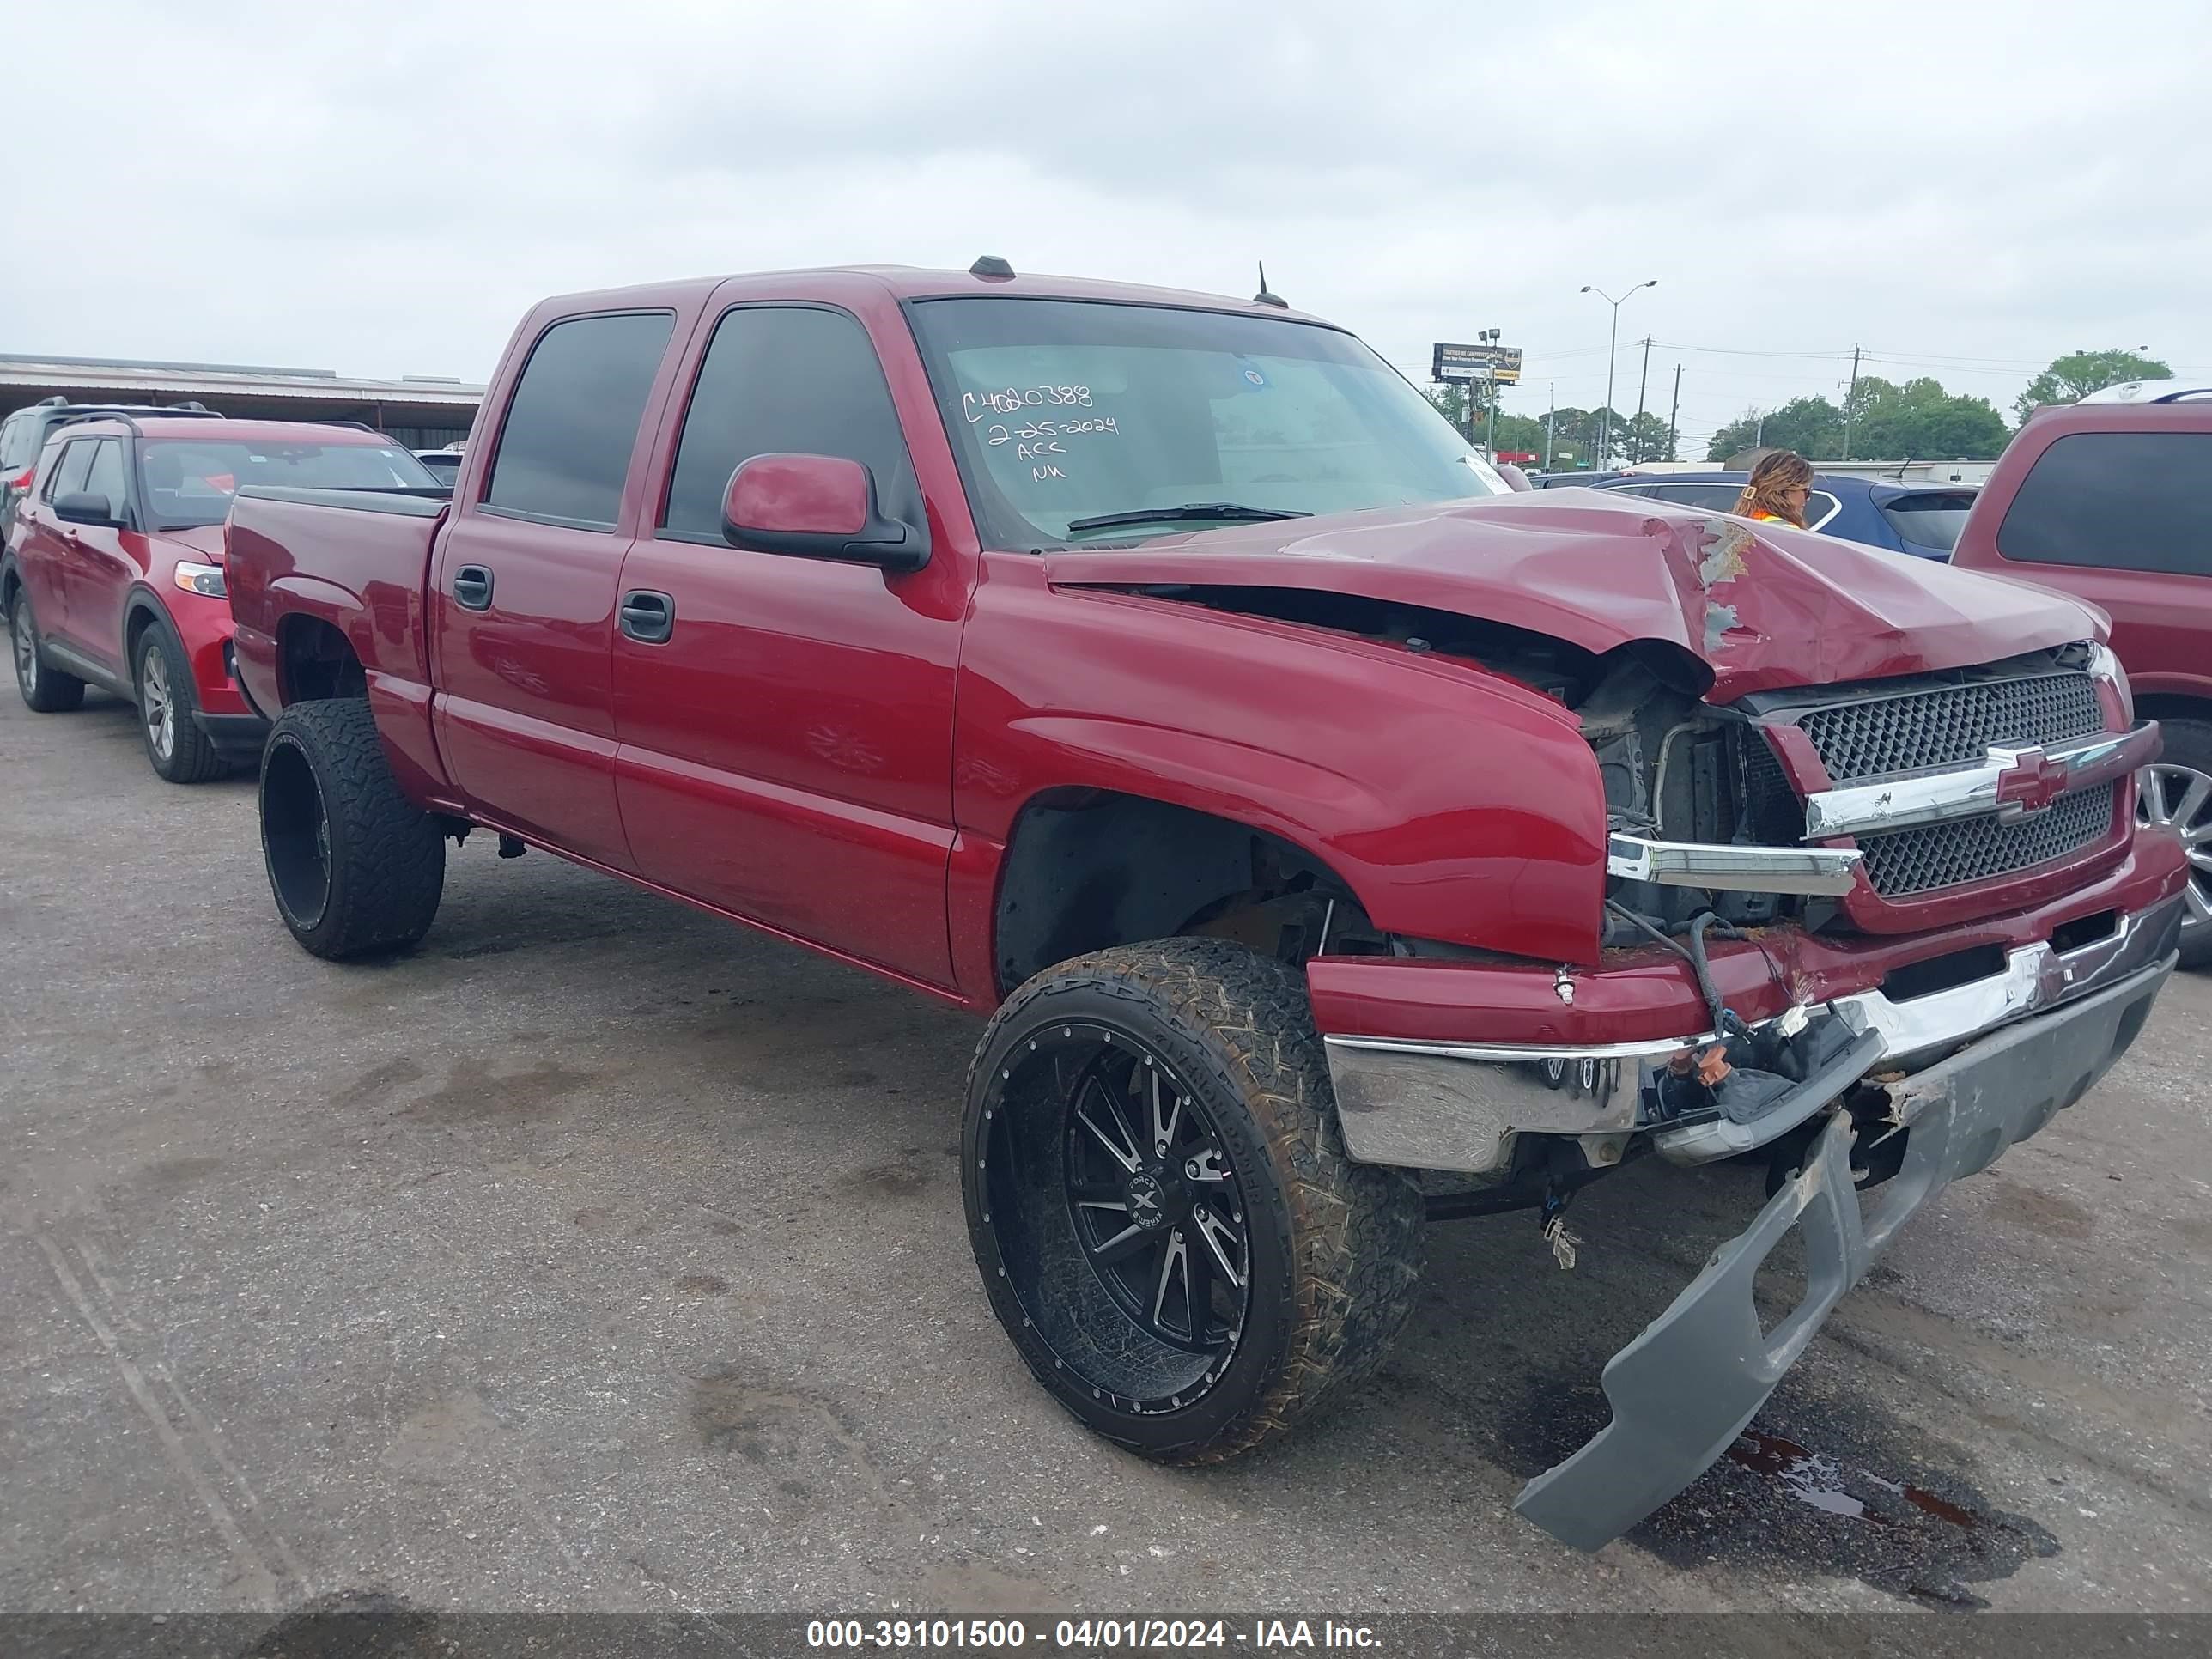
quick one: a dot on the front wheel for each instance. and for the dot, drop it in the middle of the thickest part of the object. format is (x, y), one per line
(356, 866)
(1159, 1199)
(179, 749)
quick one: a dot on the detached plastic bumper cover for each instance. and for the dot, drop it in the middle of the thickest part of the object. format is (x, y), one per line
(1683, 1390)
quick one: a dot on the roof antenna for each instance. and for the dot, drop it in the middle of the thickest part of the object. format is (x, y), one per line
(991, 268)
(1264, 298)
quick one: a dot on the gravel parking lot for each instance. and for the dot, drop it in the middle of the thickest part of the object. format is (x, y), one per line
(599, 1255)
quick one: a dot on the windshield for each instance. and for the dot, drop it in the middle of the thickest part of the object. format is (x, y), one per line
(1069, 409)
(190, 481)
(1932, 520)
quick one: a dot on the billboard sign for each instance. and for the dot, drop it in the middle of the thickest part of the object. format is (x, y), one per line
(1477, 362)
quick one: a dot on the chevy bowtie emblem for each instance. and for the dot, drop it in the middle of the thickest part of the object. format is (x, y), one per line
(2029, 781)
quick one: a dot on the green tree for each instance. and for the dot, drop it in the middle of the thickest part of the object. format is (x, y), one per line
(1450, 400)
(1572, 440)
(1896, 422)
(1576, 432)
(2069, 379)
(1519, 432)
(1813, 426)
(1641, 438)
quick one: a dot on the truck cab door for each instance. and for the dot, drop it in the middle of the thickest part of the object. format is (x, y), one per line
(786, 721)
(523, 582)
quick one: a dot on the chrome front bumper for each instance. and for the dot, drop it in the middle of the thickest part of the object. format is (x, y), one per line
(1459, 1107)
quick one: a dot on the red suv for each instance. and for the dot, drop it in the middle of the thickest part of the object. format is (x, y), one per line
(2105, 500)
(114, 575)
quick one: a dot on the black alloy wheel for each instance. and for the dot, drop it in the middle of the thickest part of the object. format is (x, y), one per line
(295, 837)
(1156, 1208)
(356, 867)
(1159, 1199)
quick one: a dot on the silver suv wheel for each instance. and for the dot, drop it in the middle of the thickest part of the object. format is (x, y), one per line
(2181, 797)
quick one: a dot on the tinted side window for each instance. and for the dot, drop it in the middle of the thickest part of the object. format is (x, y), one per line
(2127, 501)
(1706, 497)
(106, 476)
(574, 418)
(16, 450)
(1931, 520)
(68, 477)
(781, 379)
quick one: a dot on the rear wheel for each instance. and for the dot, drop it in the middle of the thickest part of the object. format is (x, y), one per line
(175, 744)
(2176, 790)
(356, 867)
(1161, 1205)
(46, 690)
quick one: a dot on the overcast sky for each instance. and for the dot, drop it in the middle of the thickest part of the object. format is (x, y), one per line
(1965, 190)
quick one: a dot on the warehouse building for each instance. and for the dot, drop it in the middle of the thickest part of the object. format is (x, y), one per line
(420, 411)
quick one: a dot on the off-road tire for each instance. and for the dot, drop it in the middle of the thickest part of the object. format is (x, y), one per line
(1332, 1247)
(2188, 746)
(356, 867)
(192, 757)
(46, 690)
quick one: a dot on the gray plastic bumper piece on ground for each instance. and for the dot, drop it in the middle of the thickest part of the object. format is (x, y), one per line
(1688, 1385)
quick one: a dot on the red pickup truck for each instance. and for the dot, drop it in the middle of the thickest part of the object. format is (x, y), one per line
(1333, 839)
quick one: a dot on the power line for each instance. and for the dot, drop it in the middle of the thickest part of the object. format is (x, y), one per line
(1747, 351)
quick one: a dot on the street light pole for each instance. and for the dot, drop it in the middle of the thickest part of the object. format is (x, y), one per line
(1489, 336)
(1613, 346)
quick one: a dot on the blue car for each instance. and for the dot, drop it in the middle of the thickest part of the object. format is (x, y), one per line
(1922, 520)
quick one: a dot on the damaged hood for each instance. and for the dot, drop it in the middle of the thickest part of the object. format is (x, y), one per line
(1762, 605)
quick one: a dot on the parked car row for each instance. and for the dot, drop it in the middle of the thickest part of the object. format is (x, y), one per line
(444, 464)
(1922, 520)
(1334, 839)
(23, 437)
(113, 570)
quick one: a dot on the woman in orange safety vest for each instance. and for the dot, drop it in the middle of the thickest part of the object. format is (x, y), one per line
(1779, 485)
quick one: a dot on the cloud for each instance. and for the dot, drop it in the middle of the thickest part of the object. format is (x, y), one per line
(386, 190)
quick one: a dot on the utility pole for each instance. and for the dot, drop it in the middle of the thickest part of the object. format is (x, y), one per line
(1758, 434)
(1644, 381)
(1851, 398)
(1676, 410)
(1551, 414)
(1490, 437)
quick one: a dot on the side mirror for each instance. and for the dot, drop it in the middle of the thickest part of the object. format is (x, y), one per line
(817, 507)
(84, 508)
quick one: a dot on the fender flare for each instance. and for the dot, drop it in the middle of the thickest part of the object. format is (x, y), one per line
(141, 600)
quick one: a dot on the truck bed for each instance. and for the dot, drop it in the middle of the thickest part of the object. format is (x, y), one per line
(357, 560)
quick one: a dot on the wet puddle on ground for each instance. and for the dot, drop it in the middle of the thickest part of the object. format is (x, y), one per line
(1818, 1480)
(1816, 1488)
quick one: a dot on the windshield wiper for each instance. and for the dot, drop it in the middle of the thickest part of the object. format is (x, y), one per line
(1219, 512)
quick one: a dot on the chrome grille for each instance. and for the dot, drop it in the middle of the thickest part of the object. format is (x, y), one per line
(1974, 849)
(1951, 724)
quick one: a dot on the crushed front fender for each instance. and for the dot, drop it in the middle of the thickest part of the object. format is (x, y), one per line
(1685, 1388)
